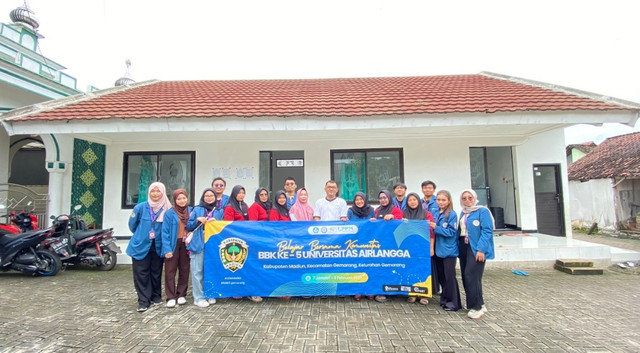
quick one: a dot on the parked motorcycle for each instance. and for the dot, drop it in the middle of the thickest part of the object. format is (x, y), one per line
(20, 222)
(74, 244)
(21, 252)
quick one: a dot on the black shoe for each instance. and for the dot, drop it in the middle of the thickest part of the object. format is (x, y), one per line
(156, 302)
(142, 308)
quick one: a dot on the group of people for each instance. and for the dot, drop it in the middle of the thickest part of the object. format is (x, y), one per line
(172, 233)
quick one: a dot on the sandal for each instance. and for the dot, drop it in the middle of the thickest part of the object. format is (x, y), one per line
(424, 301)
(370, 297)
(411, 299)
(357, 298)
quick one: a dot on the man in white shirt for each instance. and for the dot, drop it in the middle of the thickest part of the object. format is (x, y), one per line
(331, 207)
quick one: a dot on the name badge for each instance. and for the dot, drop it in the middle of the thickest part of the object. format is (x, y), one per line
(152, 235)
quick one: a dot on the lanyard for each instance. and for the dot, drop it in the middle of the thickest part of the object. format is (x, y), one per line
(152, 215)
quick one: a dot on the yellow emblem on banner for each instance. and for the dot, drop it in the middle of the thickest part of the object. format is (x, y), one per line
(426, 285)
(213, 227)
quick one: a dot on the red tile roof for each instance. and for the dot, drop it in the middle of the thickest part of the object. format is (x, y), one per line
(616, 157)
(346, 97)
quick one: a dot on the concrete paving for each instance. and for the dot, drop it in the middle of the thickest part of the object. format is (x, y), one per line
(84, 310)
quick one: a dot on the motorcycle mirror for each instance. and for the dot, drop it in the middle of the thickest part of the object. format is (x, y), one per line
(52, 217)
(77, 207)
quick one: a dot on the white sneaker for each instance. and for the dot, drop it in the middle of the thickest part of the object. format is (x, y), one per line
(171, 303)
(484, 308)
(182, 301)
(211, 301)
(475, 314)
(201, 303)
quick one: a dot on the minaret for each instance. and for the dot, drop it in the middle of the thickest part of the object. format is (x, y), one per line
(126, 79)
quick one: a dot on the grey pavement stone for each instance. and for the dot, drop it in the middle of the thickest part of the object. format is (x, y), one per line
(84, 310)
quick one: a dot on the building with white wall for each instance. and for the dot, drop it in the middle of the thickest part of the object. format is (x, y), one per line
(502, 136)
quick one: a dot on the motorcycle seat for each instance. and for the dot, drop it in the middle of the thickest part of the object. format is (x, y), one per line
(88, 233)
(7, 238)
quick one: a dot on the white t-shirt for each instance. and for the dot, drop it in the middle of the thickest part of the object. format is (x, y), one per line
(330, 210)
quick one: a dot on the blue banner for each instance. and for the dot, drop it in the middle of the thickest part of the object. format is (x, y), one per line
(276, 259)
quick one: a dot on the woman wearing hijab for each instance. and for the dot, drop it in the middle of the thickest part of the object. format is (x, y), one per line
(145, 245)
(414, 211)
(261, 207)
(202, 213)
(360, 208)
(174, 250)
(237, 209)
(280, 212)
(475, 243)
(446, 230)
(387, 210)
(301, 211)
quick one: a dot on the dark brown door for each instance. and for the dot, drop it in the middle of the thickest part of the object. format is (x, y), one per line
(549, 201)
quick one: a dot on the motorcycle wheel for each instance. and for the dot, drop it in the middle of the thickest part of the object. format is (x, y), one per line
(110, 259)
(53, 262)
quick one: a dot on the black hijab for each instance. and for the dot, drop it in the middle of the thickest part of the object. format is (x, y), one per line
(266, 205)
(282, 210)
(208, 206)
(415, 213)
(385, 210)
(365, 210)
(240, 207)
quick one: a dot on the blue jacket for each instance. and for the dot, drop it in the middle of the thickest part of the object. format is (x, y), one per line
(351, 215)
(140, 225)
(170, 228)
(446, 232)
(431, 206)
(218, 213)
(480, 231)
(290, 202)
(401, 205)
(196, 245)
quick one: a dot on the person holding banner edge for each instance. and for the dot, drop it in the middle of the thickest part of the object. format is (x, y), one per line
(200, 215)
(446, 251)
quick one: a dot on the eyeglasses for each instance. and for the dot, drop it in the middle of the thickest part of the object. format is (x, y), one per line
(263, 194)
(218, 185)
(467, 198)
(289, 184)
(383, 198)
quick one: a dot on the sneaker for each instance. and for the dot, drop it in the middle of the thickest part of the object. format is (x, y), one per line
(211, 301)
(142, 308)
(484, 308)
(475, 314)
(157, 302)
(255, 299)
(182, 301)
(171, 303)
(203, 303)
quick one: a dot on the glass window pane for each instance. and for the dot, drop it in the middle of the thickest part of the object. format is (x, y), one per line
(140, 172)
(383, 170)
(347, 170)
(175, 172)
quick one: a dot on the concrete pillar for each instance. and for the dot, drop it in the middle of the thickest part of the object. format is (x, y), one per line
(59, 157)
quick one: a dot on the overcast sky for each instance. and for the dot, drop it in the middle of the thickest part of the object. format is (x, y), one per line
(588, 45)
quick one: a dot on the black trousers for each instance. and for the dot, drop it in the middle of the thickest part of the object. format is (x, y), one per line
(450, 297)
(472, 271)
(147, 277)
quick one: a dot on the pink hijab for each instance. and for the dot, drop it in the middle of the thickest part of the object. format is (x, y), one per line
(301, 211)
(163, 203)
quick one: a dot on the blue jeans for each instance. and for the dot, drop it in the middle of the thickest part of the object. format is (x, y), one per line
(197, 275)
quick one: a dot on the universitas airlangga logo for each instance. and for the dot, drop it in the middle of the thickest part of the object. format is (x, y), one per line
(233, 253)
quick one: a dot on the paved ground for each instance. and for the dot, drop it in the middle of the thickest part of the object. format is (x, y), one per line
(84, 310)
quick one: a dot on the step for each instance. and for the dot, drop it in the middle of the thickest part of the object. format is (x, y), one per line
(574, 263)
(579, 270)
